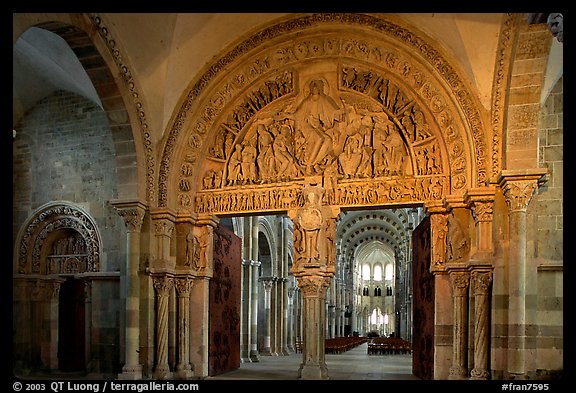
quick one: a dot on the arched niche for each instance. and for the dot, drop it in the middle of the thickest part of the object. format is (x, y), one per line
(59, 238)
(373, 73)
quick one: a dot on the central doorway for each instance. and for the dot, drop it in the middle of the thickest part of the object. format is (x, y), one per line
(379, 238)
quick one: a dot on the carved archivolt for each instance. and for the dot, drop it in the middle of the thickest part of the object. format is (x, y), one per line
(60, 238)
(376, 123)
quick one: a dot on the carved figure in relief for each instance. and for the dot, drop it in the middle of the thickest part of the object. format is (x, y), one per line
(228, 144)
(285, 167)
(217, 149)
(310, 221)
(248, 164)
(192, 252)
(265, 159)
(234, 166)
(201, 243)
(457, 244)
(351, 156)
(316, 115)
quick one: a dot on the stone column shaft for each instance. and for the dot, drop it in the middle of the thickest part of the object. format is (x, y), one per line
(459, 282)
(267, 282)
(183, 287)
(133, 215)
(480, 284)
(163, 285)
(254, 356)
(245, 324)
(518, 190)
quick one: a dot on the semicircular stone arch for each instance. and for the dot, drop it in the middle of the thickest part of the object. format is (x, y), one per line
(59, 238)
(101, 60)
(359, 104)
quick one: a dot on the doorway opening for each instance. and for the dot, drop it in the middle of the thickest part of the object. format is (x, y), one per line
(71, 326)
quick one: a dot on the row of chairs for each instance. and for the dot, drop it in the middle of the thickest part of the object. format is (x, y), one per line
(388, 346)
(342, 344)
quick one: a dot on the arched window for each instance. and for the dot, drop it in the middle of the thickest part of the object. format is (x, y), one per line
(377, 273)
(366, 272)
(389, 272)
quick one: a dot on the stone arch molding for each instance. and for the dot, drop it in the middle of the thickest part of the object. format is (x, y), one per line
(60, 238)
(358, 104)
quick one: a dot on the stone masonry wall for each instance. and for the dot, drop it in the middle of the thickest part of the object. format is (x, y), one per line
(63, 150)
(546, 251)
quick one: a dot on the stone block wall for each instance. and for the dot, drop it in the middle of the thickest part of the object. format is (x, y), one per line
(546, 251)
(63, 151)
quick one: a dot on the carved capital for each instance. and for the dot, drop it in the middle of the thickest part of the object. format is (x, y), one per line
(459, 282)
(519, 187)
(132, 212)
(482, 211)
(163, 284)
(481, 282)
(267, 282)
(183, 286)
(519, 193)
(313, 286)
(163, 227)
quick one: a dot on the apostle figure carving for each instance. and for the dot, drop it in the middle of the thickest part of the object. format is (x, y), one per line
(309, 221)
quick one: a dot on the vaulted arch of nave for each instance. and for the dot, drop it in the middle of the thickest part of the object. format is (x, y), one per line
(123, 180)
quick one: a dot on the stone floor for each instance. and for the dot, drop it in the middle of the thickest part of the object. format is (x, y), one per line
(354, 364)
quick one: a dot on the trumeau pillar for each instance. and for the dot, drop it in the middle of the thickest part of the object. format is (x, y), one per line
(314, 266)
(519, 186)
(200, 294)
(133, 214)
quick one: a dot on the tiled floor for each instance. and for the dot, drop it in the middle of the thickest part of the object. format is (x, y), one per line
(354, 364)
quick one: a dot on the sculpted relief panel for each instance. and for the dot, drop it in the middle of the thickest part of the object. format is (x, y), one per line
(338, 120)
